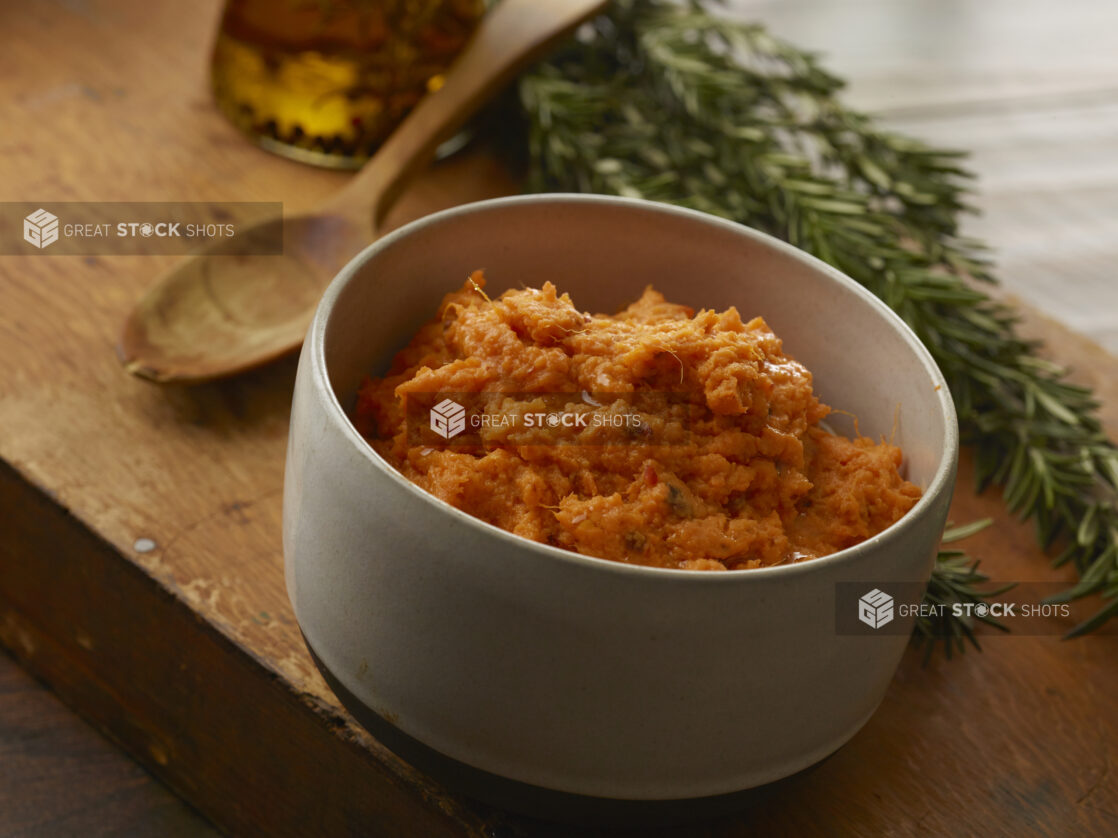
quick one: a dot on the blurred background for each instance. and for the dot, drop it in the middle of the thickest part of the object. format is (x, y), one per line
(1030, 87)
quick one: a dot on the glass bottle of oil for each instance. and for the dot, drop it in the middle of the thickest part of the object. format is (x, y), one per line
(325, 81)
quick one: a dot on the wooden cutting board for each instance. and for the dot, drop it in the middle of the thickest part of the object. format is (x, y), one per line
(140, 558)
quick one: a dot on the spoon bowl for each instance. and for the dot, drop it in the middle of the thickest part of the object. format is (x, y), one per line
(252, 308)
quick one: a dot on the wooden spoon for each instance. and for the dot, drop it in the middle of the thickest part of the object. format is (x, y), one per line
(217, 314)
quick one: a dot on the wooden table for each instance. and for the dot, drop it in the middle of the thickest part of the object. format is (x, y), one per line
(187, 653)
(59, 777)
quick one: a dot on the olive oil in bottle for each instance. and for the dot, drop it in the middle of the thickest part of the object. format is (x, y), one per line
(325, 81)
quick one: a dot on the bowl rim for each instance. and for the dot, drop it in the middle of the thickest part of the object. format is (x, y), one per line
(942, 480)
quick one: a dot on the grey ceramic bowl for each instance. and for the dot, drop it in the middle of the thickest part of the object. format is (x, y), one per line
(462, 645)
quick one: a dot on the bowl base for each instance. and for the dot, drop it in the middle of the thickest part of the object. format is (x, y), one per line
(537, 801)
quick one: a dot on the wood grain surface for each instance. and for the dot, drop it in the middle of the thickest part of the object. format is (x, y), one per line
(187, 653)
(58, 777)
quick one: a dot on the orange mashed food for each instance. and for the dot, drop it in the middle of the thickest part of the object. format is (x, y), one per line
(745, 477)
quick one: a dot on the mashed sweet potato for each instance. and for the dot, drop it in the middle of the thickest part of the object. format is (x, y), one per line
(732, 471)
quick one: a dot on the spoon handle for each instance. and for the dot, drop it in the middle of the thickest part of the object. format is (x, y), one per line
(509, 37)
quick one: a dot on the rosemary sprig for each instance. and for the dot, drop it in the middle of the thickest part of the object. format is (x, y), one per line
(677, 104)
(954, 581)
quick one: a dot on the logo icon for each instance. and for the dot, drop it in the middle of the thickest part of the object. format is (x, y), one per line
(448, 419)
(40, 228)
(875, 609)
